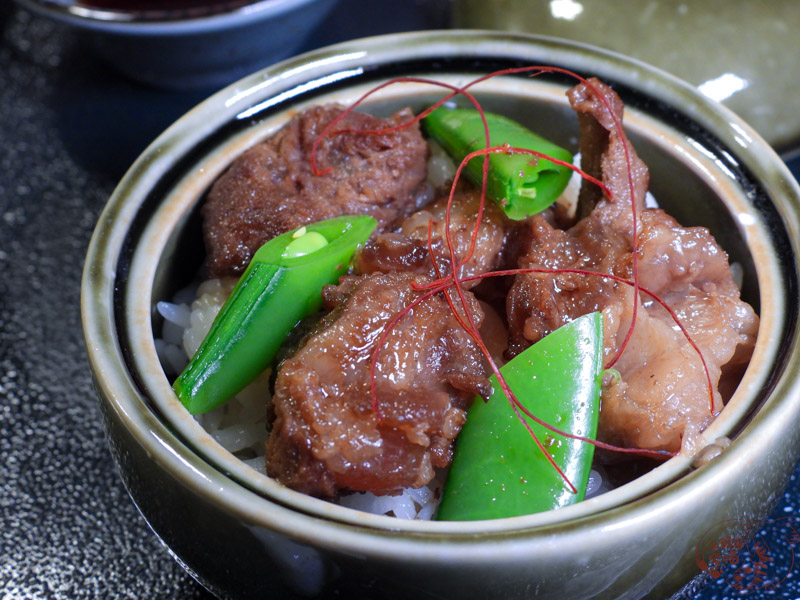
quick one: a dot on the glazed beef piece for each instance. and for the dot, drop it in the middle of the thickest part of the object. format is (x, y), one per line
(661, 400)
(407, 249)
(327, 439)
(271, 189)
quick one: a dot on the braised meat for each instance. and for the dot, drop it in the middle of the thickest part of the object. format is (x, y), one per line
(271, 189)
(326, 438)
(407, 249)
(661, 400)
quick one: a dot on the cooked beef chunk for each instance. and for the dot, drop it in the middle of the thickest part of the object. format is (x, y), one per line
(407, 250)
(326, 438)
(606, 152)
(271, 189)
(661, 400)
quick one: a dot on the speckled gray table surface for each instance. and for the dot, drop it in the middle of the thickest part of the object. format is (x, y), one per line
(69, 127)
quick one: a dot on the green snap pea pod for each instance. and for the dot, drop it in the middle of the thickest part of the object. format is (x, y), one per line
(521, 184)
(281, 285)
(498, 471)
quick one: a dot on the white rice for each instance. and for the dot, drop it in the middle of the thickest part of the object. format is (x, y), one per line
(412, 503)
(441, 168)
(240, 425)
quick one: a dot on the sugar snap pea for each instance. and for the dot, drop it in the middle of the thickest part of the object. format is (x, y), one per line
(521, 184)
(498, 471)
(281, 285)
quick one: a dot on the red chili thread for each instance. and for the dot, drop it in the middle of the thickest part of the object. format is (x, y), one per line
(453, 280)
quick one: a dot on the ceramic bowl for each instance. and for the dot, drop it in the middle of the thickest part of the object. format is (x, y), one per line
(243, 535)
(208, 46)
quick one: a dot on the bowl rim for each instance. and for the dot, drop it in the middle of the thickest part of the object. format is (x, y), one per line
(156, 23)
(120, 391)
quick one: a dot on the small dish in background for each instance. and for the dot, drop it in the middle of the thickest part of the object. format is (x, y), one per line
(186, 44)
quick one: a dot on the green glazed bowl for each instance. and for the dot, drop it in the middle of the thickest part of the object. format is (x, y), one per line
(244, 536)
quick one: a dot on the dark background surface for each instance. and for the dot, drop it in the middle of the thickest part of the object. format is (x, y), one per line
(69, 127)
